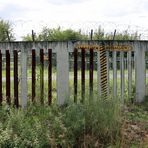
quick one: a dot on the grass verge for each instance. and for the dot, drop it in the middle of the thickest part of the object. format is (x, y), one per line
(75, 125)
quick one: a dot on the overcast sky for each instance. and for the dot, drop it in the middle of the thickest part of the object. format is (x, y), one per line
(85, 14)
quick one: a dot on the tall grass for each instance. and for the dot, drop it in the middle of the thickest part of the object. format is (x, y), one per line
(79, 125)
(104, 116)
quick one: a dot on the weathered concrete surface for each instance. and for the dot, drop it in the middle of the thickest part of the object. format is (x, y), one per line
(62, 74)
(62, 49)
(24, 88)
(27, 46)
(140, 71)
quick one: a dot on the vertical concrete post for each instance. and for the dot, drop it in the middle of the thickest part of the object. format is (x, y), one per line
(62, 73)
(98, 74)
(140, 72)
(122, 75)
(23, 78)
(129, 74)
(108, 72)
(114, 74)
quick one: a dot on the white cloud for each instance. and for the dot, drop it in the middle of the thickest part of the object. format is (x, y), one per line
(30, 14)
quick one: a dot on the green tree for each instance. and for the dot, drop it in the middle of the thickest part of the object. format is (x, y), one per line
(56, 34)
(28, 37)
(6, 31)
(99, 34)
(124, 35)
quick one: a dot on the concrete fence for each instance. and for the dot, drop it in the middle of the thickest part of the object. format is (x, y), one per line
(134, 50)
